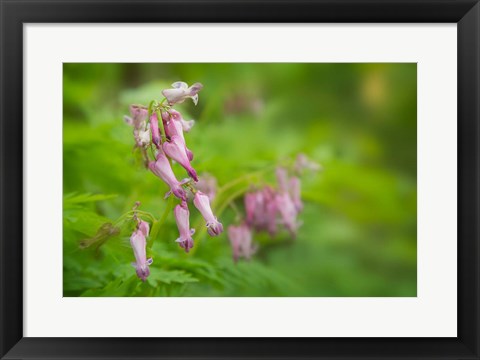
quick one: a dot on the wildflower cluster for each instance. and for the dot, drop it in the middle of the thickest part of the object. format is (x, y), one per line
(158, 131)
(269, 208)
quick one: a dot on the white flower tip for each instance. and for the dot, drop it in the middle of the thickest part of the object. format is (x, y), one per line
(195, 99)
(180, 85)
(128, 120)
(187, 125)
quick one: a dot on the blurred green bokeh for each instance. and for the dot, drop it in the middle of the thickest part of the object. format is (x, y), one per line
(358, 121)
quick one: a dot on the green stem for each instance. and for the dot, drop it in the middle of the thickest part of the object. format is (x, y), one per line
(140, 212)
(244, 177)
(158, 224)
(161, 127)
(150, 107)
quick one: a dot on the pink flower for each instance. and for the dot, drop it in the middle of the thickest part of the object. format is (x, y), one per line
(141, 130)
(139, 116)
(271, 210)
(257, 207)
(282, 179)
(250, 206)
(161, 167)
(182, 216)
(208, 185)
(288, 212)
(175, 149)
(187, 125)
(138, 240)
(155, 130)
(240, 237)
(259, 218)
(173, 127)
(202, 203)
(295, 192)
(142, 136)
(181, 92)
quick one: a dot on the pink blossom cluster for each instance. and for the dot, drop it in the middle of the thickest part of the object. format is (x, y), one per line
(161, 129)
(270, 208)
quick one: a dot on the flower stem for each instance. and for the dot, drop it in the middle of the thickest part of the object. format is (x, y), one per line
(158, 224)
(161, 127)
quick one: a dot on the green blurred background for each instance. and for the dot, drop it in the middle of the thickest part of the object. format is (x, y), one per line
(358, 121)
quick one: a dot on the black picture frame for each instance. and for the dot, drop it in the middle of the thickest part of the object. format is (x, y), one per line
(15, 13)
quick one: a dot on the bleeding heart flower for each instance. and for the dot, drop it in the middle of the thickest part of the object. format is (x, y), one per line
(138, 241)
(181, 92)
(139, 115)
(201, 202)
(155, 131)
(250, 205)
(295, 192)
(142, 137)
(161, 167)
(173, 127)
(288, 212)
(240, 237)
(175, 149)
(282, 179)
(182, 217)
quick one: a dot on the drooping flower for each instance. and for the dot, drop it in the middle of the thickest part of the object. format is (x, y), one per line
(161, 167)
(208, 185)
(155, 130)
(186, 124)
(201, 202)
(260, 220)
(138, 241)
(250, 205)
(138, 120)
(271, 210)
(256, 209)
(173, 127)
(138, 117)
(175, 149)
(181, 92)
(282, 179)
(182, 217)
(295, 193)
(142, 136)
(240, 237)
(288, 212)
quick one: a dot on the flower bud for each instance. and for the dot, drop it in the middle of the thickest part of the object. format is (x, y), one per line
(161, 167)
(182, 217)
(288, 212)
(295, 192)
(175, 149)
(138, 241)
(173, 127)
(155, 131)
(202, 203)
